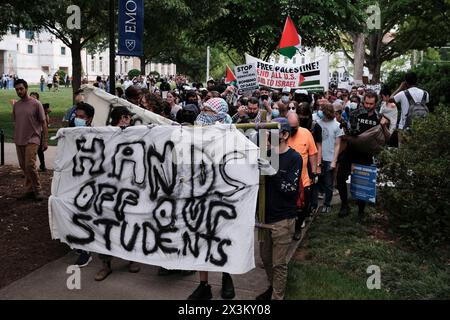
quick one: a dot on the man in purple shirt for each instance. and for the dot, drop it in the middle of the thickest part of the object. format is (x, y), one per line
(29, 118)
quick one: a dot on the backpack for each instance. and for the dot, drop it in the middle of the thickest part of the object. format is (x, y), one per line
(416, 109)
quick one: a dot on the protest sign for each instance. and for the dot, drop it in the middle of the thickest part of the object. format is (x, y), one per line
(177, 197)
(311, 76)
(247, 79)
(364, 183)
(102, 101)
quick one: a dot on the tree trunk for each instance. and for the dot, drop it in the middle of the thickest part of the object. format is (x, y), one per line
(142, 65)
(359, 54)
(375, 71)
(76, 65)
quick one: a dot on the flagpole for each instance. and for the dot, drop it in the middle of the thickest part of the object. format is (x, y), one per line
(208, 53)
(112, 47)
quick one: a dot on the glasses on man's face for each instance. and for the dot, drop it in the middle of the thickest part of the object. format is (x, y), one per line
(126, 117)
(292, 108)
(338, 112)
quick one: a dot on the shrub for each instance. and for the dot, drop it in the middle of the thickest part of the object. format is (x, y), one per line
(432, 77)
(418, 204)
(134, 73)
(62, 77)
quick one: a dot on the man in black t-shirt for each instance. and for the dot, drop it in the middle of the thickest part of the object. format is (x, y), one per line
(363, 120)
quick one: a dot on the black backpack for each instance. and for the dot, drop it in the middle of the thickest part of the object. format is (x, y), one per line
(416, 109)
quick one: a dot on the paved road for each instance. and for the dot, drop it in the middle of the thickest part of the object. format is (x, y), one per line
(11, 156)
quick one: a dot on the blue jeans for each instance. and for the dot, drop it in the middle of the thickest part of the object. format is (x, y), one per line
(42, 87)
(325, 183)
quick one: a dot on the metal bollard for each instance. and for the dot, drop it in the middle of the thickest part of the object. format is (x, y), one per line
(2, 148)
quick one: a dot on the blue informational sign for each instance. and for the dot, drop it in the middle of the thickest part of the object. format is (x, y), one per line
(131, 27)
(364, 183)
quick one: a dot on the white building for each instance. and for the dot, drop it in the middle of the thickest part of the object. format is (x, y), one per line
(30, 55)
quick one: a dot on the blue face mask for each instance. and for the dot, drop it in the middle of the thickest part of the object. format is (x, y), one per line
(320, 114)
(285, 99)
(80, 122)
(275, 113)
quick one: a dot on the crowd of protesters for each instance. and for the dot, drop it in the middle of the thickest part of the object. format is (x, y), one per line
(315, 148)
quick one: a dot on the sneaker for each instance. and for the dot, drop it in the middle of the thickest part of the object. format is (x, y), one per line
(84, 259)
(203, 292)
(266, 295)
(227, 286)
(345, 211)
(326, 209)
(320, 196)
(134, 267)
(103, 273)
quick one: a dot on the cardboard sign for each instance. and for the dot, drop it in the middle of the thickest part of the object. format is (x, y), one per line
(247, 78)
(364, 183)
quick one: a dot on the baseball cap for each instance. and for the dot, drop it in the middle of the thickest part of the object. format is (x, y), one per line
(301, 91)
(284, 124)
(286, 90)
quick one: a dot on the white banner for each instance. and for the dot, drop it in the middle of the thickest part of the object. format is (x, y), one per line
(102, 101)
(311, 76)
(246, 76)
(177, 197)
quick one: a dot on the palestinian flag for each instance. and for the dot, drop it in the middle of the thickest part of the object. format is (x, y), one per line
(290, 40)
(230, 77)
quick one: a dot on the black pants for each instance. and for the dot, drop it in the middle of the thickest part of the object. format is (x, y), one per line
(40, 154)
(346, 159)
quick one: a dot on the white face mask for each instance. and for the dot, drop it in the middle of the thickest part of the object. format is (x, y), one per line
(353, 106)
(285, 99)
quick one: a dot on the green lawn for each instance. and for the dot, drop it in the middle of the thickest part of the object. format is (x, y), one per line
(339, 251)
(59, 103)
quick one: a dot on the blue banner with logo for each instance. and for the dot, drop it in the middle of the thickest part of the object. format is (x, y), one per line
(364, 183)
(131, 27)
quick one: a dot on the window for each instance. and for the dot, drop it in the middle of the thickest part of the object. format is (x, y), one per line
(15, 31)
(63, 51)
(18, 51)
(101, 64)
(30, 49)
(29, 34)
(93, 65)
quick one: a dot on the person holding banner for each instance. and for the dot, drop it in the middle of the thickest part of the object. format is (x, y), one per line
(282, 192)
(215, 111)
(120, 117)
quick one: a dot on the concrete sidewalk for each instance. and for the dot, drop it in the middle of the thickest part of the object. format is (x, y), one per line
(11, 156)
(50, 283)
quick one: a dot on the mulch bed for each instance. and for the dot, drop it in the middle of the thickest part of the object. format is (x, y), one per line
(25, 242)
